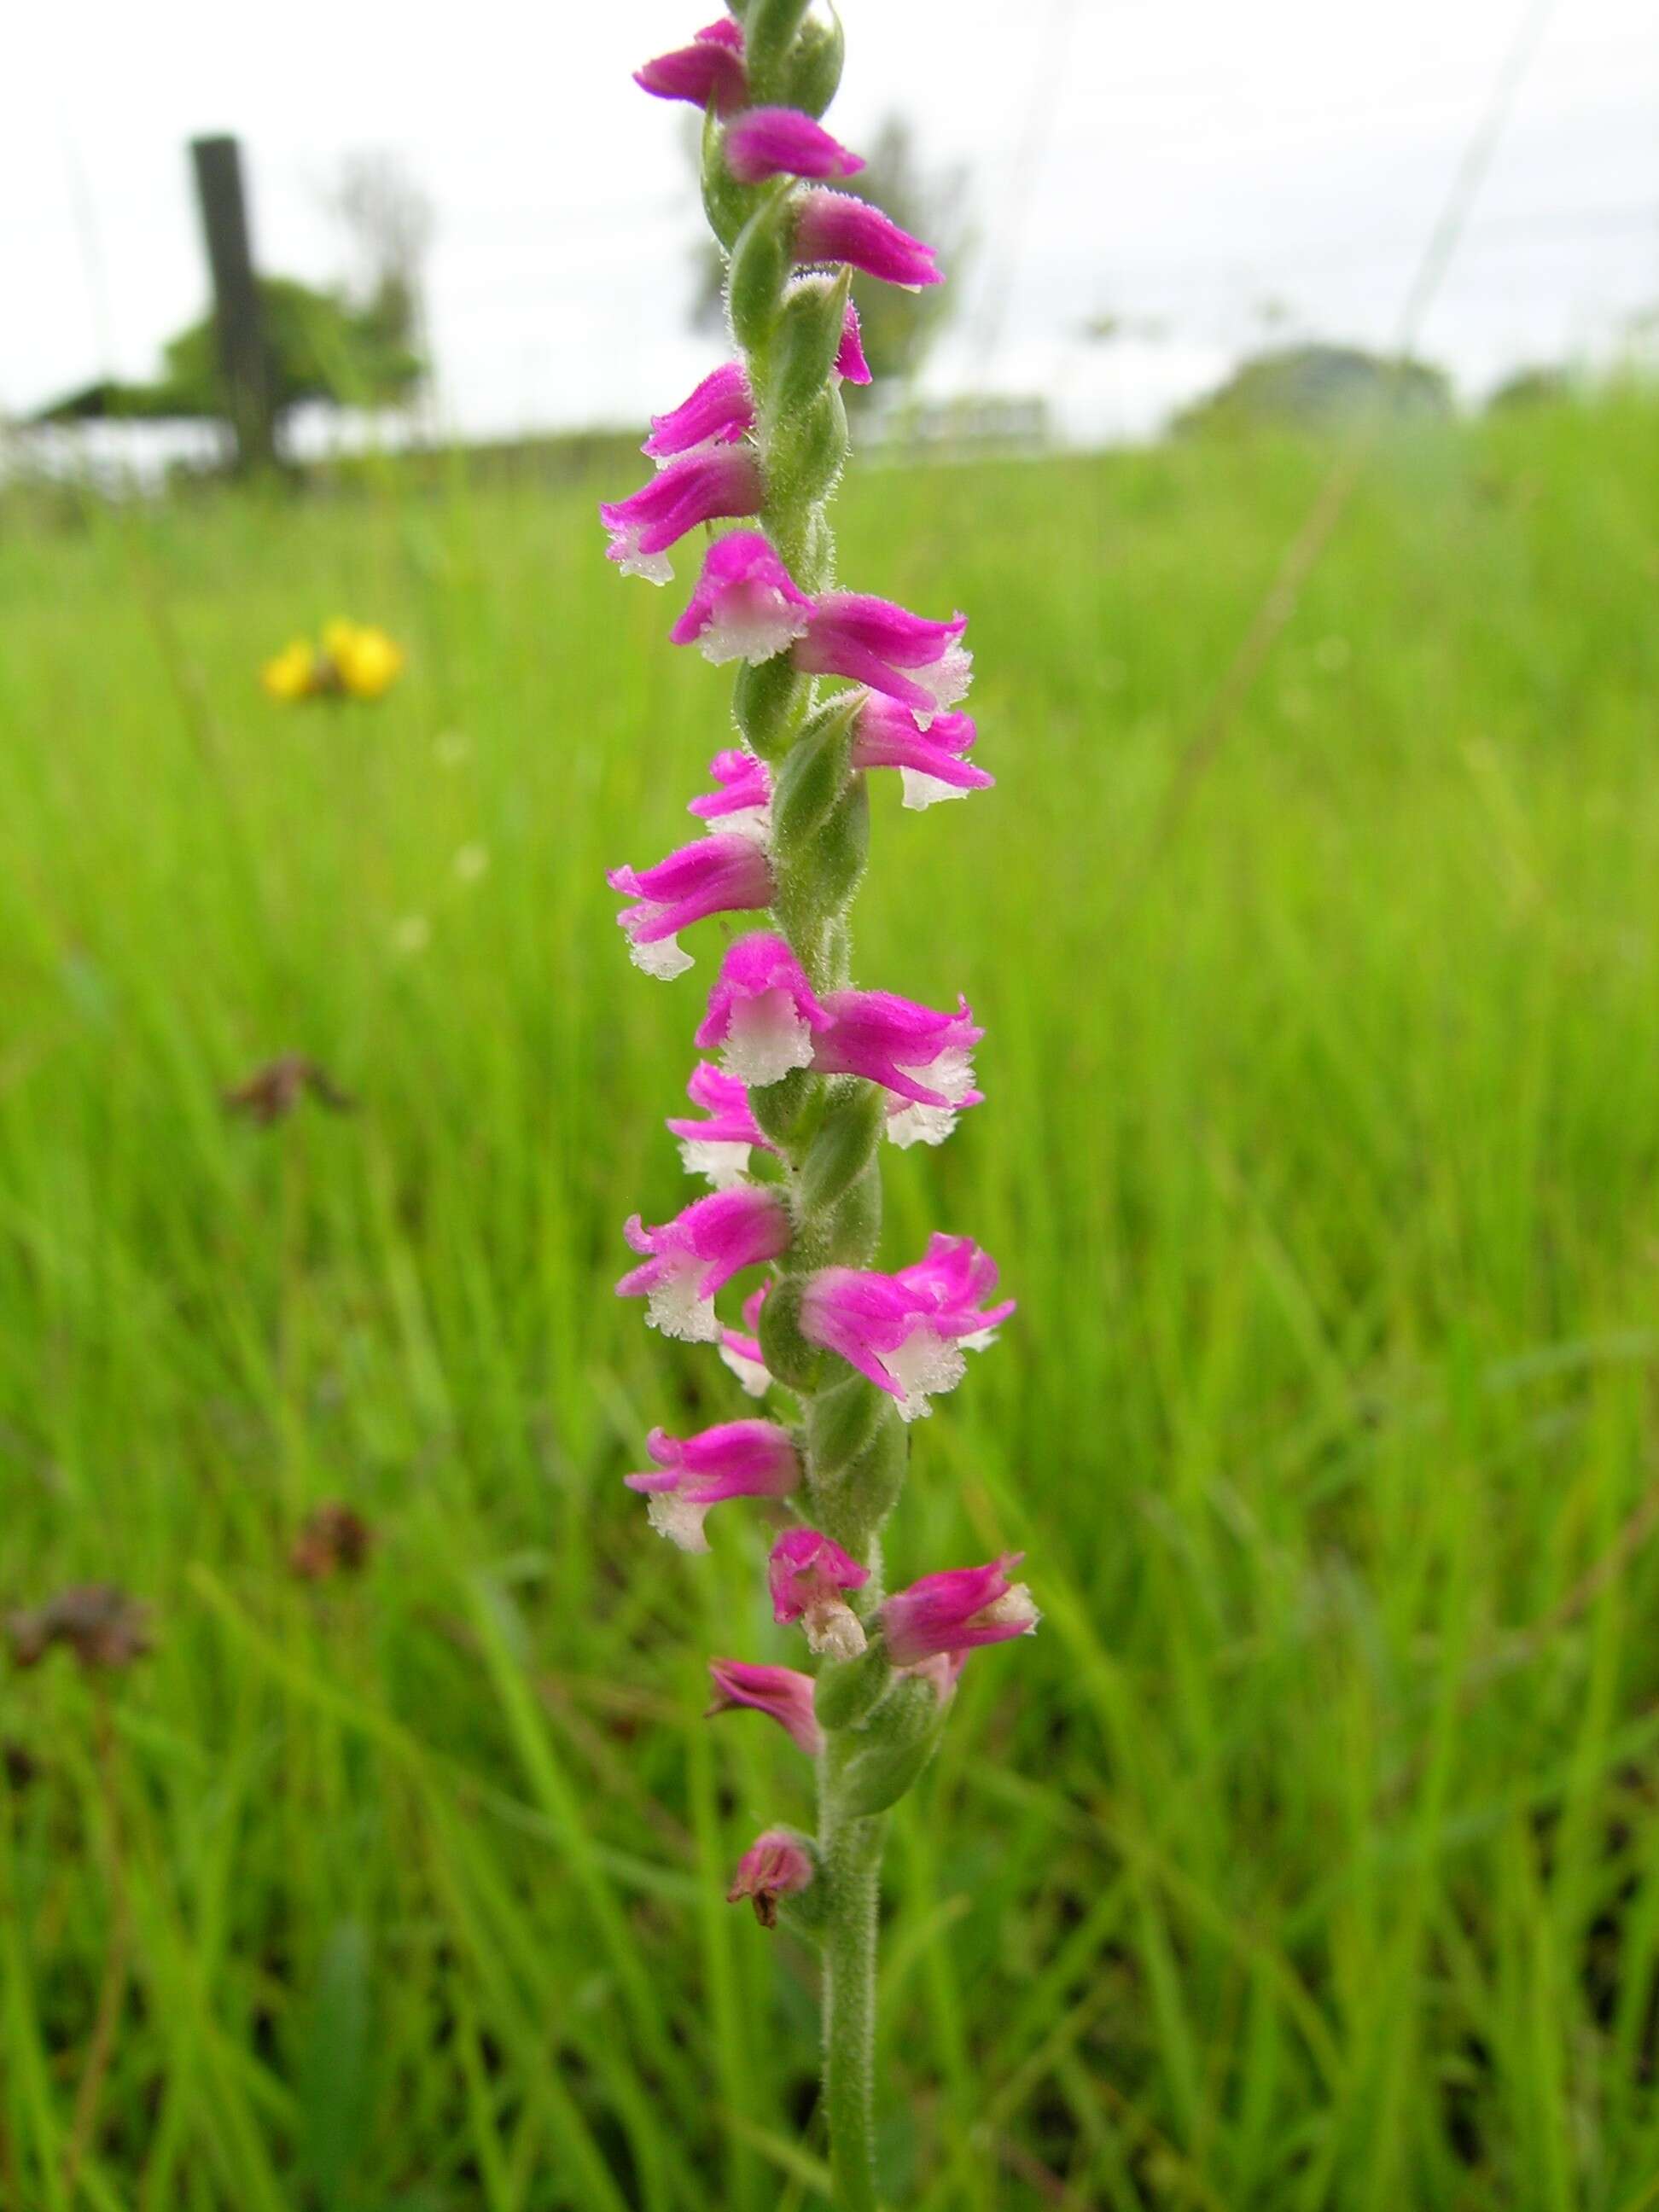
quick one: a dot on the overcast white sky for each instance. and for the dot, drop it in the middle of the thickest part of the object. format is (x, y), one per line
(1176, 163)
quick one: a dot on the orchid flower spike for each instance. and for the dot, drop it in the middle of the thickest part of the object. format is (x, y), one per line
(719, 1145)
(725, 873)
(807, 1574)
(803, 1071)
(955, 1612)
(689, 1260)
(925, 1058)
(740, 1349)
(710, 484)
(742, 798)
(779, 1692)
(746, 605)
(778, 1863)
(921, 664)
(782, 142)
(738, 1459)
(932, 763)
(762, 1017)
(907, 1332)
(710, 69)
(834, 227)
(719, 412)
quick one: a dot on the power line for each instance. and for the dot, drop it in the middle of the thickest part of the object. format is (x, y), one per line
(87, 239)
(1047, 92)
(1301, 555)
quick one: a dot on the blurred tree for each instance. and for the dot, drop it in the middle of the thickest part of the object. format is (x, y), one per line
(898, 326)
(1539, 386)
(323, 348)
(389, 222)
(1640, 352)
(1108, 328)
(1316, 387)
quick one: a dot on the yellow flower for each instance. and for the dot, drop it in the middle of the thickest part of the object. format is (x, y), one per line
(366, 661)
(357, 661)
(292, 673)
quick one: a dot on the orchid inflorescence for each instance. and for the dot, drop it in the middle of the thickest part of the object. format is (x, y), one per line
(805, 1071)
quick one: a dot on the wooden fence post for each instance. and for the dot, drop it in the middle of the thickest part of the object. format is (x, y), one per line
(244, 363)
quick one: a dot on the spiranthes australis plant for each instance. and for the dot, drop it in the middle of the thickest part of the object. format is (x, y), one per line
(807, 1070)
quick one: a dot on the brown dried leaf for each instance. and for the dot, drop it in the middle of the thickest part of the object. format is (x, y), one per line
(272, 1092)
(333, 1540)
(97, 1621)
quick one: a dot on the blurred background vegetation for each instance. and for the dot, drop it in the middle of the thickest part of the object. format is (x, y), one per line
(1306, 1856)
(361, 1845)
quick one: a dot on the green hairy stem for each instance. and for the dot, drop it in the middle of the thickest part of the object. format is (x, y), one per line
(850, 1853)
(827, 1128)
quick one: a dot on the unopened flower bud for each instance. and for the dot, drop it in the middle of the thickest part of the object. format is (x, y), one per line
(807, 1573)
(779, 1863)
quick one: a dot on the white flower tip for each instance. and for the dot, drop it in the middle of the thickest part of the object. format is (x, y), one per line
(753, 1380)
(946, 679)
(671, 1517)
(676, 1308)
(1015, 1608)
(765, 1040)
(753, 637)
(924, 1366)
(754, 823)
(665, 959)
(919, 1125)
(834, 1630)
(952, 1071)
(655, 567)
(922, 791)
(725, 1164)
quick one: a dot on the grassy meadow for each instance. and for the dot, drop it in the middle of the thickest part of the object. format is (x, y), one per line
(1309, 1857)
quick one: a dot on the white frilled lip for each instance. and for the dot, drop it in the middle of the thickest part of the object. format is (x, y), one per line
(833, 1629)
(677, 1519)
(752, 623)
(675, 1304)
(924, 1366)
(655, 567)
(912, 1124)
(921, 791)
(725, 1164)
(665, 956)
(766, 1038)
(751, 1375)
